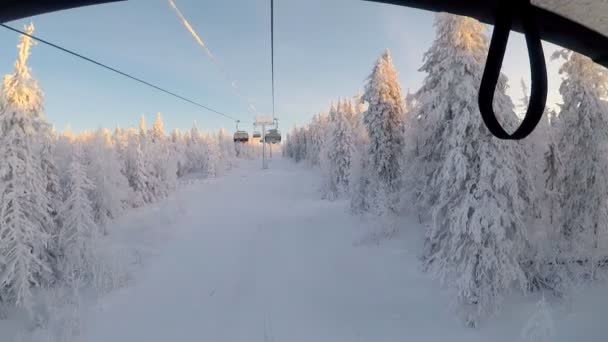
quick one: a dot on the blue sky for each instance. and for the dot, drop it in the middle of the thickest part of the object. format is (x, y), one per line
(323, 49)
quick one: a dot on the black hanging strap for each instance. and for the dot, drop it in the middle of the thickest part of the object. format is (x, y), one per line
(508, 9)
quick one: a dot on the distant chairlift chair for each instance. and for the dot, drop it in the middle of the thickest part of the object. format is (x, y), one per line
(273, 136)
(240, 135)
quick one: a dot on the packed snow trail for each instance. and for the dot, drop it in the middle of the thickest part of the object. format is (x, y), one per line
(257, 256)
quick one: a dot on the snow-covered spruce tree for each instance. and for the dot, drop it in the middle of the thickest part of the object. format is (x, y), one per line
(409, 102)
(338, 152)
(62, 156)
(297, 144)
(49, 169)
(303, 143)
(473, 182)
(195, 150)
(24, 203)
(328, 186)
(120, 140)
(544, 264)
(178, 149)
(213, 163)
(79, 231)
(459, 43)
(360, 139)
(582, 139)
(309, 141)
(137, 173)
(110, 196)
(360, 194)
(532, 155)
(383, 120)
(292, 141)
(157, 132)
(318, 133)
(143, 131)
(54, 192)
(552, 168)
(411, 186)
(289, 149)
(226, 147)
(161, 164)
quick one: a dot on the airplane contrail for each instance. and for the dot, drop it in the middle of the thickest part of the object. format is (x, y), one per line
(191, 30)
(201, 42)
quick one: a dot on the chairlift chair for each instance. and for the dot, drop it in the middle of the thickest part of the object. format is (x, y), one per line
(240, 136)
(273, 136)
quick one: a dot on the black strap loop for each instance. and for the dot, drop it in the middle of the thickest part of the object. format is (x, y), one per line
(498, 45)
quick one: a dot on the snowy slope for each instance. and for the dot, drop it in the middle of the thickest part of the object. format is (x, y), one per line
(257, 256)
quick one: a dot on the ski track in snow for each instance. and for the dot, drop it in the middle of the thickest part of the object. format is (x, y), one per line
(257, 256)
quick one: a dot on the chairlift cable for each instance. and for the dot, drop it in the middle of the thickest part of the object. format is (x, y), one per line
(100, 64)
(272, 51)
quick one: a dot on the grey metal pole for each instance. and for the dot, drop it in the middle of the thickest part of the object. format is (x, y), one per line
(264, 162)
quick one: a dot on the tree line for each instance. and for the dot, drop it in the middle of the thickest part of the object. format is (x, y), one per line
(59, 192)
(498, 215)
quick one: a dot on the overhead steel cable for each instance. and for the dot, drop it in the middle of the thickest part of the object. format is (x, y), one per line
(212, 58)
(90, 60)
(272, 51)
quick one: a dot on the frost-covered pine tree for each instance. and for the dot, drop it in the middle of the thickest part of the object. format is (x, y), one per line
(360, 192)
(552, 168)
(137, 173)
(290, 144)
(532, 155)
(213, 166)
(79, 231)
(120, 140)
(157, 132)
(409, 102)
(161, 164)
(360, 139)
(338, 151)
(54, 192)
(582, 139)
(143, 131)
(383, 120)
(301, 151)
(178, 148)
(24, 203)
(50, 171)
(318, 134)
(110, 196)
(226, 147)
(473, 182)
(195, 150)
